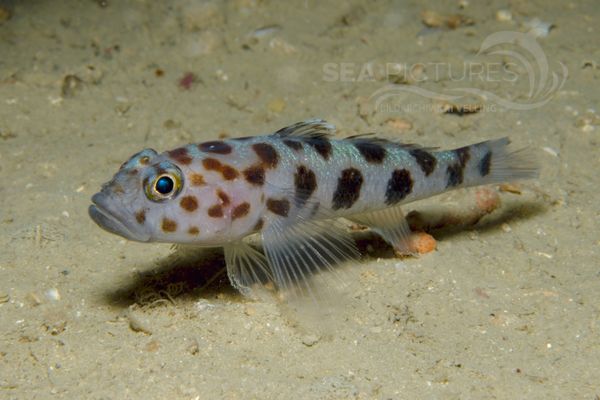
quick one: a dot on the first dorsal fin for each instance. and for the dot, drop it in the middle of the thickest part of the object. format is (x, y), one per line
(312, 128)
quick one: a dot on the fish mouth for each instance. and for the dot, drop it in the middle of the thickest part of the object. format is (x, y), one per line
(107, 220)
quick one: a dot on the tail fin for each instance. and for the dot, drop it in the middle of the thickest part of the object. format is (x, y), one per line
(504, 164)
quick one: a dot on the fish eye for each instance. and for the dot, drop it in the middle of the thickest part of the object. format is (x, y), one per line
(163, 187)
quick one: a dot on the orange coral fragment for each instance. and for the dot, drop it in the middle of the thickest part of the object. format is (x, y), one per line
(423, 242)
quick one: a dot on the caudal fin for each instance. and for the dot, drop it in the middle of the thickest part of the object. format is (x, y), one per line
(500, 163)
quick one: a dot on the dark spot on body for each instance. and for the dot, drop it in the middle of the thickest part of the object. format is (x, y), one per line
(215, 211)
(348, 189)
(189, 203)
(223, 197)
(259, 225)
(293, 144)
(255, 175)
(485, 164)
(196, 179)
(398, 187)
(426, 160)
(140, 216)
(305, 182)
(463, 154)
(215, 146)
(372, 152)
(193, 230)
(454, 174)
(240, 210)
(267, 154)
(279, 207)
(168, 225)
(180, 155)
(321, 146)
(228, 172)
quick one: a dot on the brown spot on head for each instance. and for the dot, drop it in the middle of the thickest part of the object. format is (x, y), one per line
(180, 155)
(168, 225)
(215, 211)
(196, 179)
(189, 203)
(193, 230)
(240, 210)
(228, 172)
(267, 154)
(293, 144)
(215, 146)
(144, 160)
(279, 207)
(223, 197)
(140, 216)
(133, 172)
(255, 175)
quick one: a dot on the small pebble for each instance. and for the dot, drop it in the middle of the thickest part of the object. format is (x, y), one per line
(137, 324)
(423, 242)
(538, 28)
(281, 46)
(506, 228)
(203, 305)
(194, 347)
(550, 151)
(510, 188)
(33, 299)
(71, 85)
(277, 105)
(503, 15)
(4, 298)
(53, 294)
(310, 340)
(187, 80)
(399, 124)
(152, 346)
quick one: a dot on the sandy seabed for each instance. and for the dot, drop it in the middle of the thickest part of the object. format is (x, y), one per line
(507, 308)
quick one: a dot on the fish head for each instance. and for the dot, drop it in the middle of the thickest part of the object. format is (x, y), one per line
(150, 199)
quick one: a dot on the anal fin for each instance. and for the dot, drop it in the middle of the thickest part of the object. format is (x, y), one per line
(391, 224)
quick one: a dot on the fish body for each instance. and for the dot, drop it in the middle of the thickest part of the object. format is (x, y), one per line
(290, 187)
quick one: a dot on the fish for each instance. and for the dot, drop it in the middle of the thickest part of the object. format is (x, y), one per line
(291, 188)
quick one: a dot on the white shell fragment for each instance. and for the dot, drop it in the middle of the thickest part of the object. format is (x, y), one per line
(538, 28)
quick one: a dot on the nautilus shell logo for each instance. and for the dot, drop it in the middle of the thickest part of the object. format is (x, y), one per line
(523, 80)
